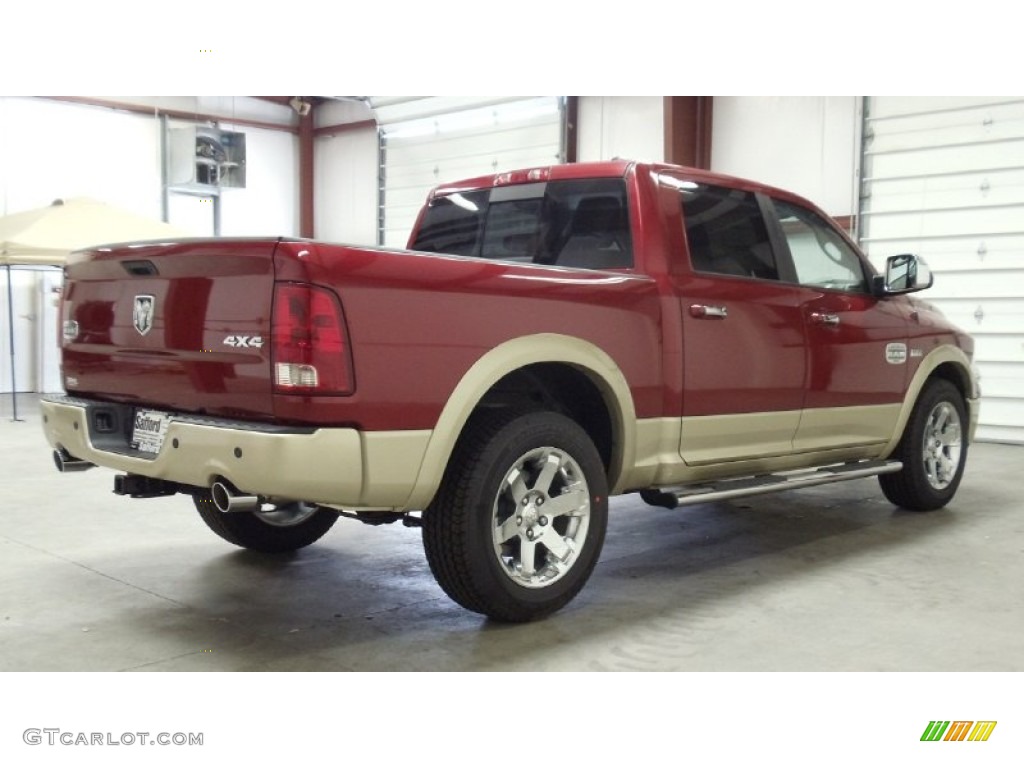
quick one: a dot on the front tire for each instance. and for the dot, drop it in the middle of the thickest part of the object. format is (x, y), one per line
(284, 528)
(933, 450)
(519, 521)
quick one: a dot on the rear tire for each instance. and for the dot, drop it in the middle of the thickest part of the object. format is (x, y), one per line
(519, 521)
(933, 450)
(284, 529)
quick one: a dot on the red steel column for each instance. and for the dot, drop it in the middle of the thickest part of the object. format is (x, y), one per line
(688, 130)
(306, 173)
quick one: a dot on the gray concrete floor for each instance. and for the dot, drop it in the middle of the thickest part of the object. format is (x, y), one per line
(831, 578)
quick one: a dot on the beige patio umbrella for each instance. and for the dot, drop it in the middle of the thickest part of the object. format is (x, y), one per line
(48, 235)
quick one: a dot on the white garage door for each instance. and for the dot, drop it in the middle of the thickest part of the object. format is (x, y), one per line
(944, 178)
(426, 141)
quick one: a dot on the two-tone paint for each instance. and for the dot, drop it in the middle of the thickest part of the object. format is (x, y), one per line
(689, 395)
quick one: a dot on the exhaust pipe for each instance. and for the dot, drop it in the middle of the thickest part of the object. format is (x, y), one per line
(227, 498)
(65, 462)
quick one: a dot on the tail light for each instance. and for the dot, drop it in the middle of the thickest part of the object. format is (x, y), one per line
(310, 350)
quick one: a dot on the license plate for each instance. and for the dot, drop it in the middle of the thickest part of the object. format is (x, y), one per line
(149, 430)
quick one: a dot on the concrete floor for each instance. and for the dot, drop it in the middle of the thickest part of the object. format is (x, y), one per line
(831, 578)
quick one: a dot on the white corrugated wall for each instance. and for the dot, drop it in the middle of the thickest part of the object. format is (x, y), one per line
(944, 178)
(435, 139)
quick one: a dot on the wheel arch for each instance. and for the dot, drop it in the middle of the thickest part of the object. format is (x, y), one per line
(946, 362)
(547, 366)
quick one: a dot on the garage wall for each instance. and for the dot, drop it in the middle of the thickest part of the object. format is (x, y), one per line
(804, 144)
(269, 204)
(51, 149)
(345, 177)
(36, 363)
(630, 127)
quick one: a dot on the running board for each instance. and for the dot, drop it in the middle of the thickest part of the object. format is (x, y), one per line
(681, 496)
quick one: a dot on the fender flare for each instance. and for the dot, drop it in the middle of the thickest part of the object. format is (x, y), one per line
(506, 358)
(937, 357)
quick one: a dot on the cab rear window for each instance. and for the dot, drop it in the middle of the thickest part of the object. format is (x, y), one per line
(578, 223)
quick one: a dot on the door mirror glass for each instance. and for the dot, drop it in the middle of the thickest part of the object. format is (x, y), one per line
(906, 273)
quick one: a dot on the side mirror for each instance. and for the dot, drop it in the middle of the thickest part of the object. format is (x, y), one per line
(905, 273)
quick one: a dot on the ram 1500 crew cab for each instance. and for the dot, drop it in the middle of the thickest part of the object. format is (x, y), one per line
(550, 338)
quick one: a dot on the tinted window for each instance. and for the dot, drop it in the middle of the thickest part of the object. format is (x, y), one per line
(726, 232)
(452, 224)
(820, 254)
(581, 223)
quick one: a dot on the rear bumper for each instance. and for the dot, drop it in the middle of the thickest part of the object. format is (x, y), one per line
(341, 467)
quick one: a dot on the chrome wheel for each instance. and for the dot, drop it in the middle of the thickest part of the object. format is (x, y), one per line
(286, 515)
(942, 445)
(516, 527)
(540, 517)
(933, 450)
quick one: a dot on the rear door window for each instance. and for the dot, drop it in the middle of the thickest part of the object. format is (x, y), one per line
(726, 232)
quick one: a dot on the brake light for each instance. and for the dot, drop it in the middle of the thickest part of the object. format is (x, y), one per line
(310, 351)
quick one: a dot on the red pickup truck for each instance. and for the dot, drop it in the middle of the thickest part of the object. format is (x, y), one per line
(551, 337)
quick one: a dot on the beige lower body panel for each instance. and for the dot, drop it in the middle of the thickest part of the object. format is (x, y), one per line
(339, 467)
(732, 452)
(827, 428)
(737, 436)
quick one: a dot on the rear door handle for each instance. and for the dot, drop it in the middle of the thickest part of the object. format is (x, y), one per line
(702, 310)
(824, 318)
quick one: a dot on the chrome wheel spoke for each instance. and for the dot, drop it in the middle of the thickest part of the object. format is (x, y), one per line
(951, 436)
(946, 469)
(552, 463)
(527, 555)
(556, 545)
(517, 485)
(507, 530)
(572, 501)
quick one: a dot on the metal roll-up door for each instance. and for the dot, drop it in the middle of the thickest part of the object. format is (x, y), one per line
(425, 141)
(944, 178)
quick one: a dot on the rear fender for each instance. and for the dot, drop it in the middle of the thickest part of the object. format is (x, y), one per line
(512, 356)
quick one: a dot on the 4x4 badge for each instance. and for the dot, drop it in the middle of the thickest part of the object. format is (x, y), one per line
(142, 314)
(244, 342)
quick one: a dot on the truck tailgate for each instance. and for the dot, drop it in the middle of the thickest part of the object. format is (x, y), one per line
(182, 325)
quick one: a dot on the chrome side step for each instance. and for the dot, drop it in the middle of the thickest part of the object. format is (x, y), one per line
(681, 496)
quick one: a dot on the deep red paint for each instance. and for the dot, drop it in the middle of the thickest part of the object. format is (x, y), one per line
(417, 322)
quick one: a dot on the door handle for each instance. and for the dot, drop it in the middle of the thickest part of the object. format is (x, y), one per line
(702, 310)
(823, 318)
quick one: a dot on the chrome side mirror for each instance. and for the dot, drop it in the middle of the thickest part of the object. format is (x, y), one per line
(904, 273)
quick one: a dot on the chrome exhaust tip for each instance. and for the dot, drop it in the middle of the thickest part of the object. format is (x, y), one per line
(227, 498)
(65, 462)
